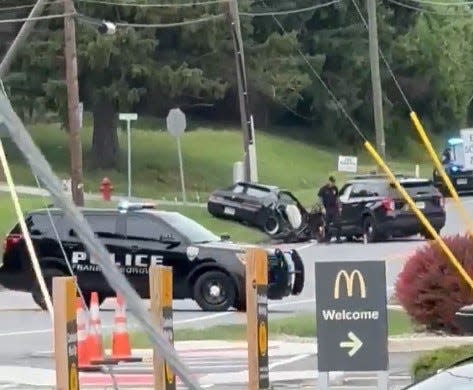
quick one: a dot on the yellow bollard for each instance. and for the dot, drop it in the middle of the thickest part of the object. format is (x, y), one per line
(460, 207)
(419, 214)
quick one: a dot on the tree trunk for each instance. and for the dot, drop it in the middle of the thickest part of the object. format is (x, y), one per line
(105, 146)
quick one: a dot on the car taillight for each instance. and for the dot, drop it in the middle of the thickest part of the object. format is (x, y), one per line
(214, 198)
(388, 204)
(11, 241)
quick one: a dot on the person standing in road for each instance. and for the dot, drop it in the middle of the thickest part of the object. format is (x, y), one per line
(328, 195)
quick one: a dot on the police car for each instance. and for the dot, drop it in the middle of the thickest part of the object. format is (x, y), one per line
(206, 268)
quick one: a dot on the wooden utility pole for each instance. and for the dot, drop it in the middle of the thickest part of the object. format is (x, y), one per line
(246, 123)
(376, 78)
(75, 145)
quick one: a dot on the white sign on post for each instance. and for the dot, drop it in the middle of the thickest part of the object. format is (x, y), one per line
(347, 164)
(176, 126)
(467, 137)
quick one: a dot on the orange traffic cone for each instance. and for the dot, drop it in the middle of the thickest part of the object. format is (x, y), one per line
(83, 357)
(95, 333)
(121, 349)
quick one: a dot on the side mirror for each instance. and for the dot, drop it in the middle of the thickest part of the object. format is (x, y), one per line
(225, 237)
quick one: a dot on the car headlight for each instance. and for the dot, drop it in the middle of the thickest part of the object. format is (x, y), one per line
(454, 168)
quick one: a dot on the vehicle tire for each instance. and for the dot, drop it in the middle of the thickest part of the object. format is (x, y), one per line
(36, 294)
(369, 228)
(240, 305)
(214, 291)
(271, 225)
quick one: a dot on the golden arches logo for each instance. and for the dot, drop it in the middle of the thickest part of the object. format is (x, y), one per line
(349, 281)
(262, 338)
(73, 378)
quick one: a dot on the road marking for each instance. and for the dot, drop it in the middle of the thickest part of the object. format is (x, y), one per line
(189, 320)
(292, 359)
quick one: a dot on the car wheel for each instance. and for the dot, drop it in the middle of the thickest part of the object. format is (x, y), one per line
(271, 225)
(369, 229)
(241, 305)
(48, 275)
(214, 291)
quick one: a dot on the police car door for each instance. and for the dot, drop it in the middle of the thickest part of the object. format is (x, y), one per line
(88, 271)
(151, 243)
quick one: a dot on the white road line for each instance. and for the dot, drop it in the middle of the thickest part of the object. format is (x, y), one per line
(189, 320)
(288, 361)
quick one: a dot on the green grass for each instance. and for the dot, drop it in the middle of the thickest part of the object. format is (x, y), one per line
(301, 325)
(208, 156)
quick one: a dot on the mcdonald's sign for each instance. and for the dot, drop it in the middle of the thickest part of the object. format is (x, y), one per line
(349, 283)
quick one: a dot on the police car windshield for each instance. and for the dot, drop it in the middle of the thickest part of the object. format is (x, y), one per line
(195, 232)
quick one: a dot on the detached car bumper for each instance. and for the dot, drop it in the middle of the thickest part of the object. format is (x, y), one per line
(286, 274)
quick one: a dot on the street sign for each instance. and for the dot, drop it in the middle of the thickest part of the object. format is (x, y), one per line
(128, 116)
(176, 122)
(352, 329)
(467, 137)
(347, 164)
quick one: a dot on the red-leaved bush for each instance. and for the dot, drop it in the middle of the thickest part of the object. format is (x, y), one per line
(431, 289)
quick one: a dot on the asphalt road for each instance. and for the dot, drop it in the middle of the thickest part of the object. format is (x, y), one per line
(24, 330)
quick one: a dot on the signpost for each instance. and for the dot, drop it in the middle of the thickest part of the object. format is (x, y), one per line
(347, 164)
(176, 125)
(351, 316)
(128, 118)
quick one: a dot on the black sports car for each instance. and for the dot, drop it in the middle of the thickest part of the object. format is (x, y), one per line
(268, 208)
(206, 268)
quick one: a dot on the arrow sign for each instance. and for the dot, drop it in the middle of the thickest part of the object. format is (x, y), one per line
(355, 344)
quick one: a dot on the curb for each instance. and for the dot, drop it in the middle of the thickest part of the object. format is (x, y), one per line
(291, 345)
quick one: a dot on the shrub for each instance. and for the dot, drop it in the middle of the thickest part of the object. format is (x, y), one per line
(431, 289)
(430, 362)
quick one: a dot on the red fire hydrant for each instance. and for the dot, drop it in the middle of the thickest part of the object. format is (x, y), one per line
(106, 189)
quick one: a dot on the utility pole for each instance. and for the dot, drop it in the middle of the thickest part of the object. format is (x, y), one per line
(246, 118)
(376, 78)
(21, 37)
(75, 146)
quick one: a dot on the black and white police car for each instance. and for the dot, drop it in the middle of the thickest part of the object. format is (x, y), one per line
(206, 268)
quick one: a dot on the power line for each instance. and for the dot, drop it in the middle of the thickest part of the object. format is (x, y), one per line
(292, 11)
(18, 7)
(317, 75)
(138, 5)
(166, 25)
(418, 9)
(4, 21)
(454, 4)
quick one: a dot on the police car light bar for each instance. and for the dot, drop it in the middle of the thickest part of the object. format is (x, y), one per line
(125, 205)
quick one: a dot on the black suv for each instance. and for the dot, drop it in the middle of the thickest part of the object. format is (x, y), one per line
(373, 206)
(206, 268)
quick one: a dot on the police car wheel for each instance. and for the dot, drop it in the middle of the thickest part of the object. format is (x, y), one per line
(214, 291)
(48, 275)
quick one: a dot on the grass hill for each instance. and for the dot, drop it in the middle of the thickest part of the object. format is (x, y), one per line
(208, 156)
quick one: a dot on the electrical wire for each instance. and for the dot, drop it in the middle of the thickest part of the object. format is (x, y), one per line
(326, 87)
(4, 21)
(289, 12)
(427, 11)
(153, 5)
(18, 7)
(166, 25)
(381, 54)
